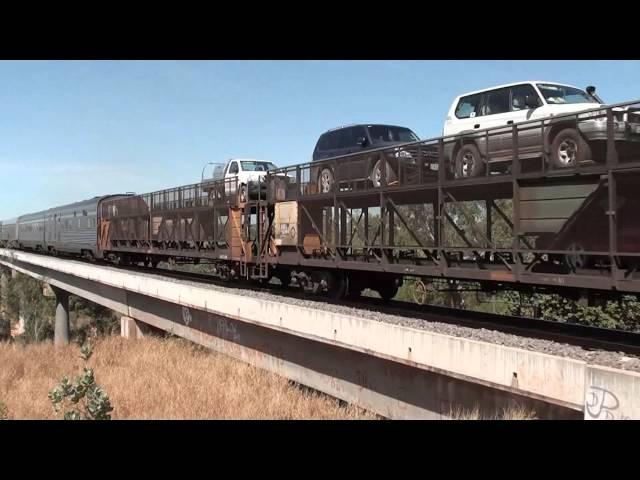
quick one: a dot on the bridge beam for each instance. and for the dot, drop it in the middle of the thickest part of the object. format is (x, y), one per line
(390, 369)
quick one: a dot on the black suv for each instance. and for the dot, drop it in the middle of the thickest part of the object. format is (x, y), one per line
(358, 138)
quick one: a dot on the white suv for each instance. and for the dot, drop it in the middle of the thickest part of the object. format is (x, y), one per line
(505, 105)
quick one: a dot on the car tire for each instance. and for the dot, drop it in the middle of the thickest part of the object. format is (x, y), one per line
(376, 173)
(325, 180)
(469, 162)
(569, 149)
(575, 258)
(242, 194)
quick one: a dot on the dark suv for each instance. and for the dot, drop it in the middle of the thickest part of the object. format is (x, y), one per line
(358, 138)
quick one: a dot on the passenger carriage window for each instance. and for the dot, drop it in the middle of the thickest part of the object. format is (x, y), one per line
(496, 101)
(518, 95)
(468, 106)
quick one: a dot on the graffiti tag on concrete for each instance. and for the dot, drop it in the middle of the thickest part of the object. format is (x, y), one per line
(228, 330)
(186, 316)
(603, 404)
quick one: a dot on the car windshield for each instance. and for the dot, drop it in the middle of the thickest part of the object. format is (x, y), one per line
(385, 134)
(559, 94)
(257, 166)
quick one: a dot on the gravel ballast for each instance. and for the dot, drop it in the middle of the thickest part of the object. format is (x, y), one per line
(605, 358)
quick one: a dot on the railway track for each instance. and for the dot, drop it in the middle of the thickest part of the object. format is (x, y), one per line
(586, 337)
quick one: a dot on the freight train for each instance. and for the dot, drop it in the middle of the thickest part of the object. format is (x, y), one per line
(532, 226)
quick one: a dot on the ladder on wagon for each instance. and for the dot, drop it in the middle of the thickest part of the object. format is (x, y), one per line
(250, 244)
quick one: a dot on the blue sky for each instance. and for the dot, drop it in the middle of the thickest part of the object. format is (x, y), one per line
(71, 130)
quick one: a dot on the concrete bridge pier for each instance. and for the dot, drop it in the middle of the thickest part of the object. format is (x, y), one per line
(132, 329)
(61, 330)
(5, 322)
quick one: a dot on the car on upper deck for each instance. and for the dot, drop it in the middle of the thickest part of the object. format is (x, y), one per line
(352, 139)
(565, 142)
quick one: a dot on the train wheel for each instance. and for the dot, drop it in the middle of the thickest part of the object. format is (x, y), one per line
(353, 294)
(338, 286)
(284, 278)
(388, 289)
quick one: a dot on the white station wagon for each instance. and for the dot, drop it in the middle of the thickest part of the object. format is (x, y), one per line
(505, 105)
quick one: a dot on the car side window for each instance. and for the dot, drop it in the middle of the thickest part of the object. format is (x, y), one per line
(518, 95)
(331, 140)
(233, 168)
(468, 106)
(343, 139)
(356, 134)
(496, 101)
(325, 142)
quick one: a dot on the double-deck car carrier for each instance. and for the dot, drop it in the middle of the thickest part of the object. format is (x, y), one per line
(534, 225)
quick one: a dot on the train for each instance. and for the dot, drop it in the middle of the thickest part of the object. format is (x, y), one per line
(528, 227)
(68, 229)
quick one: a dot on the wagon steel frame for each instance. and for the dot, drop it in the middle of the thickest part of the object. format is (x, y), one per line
(358, 223)
(426, 179)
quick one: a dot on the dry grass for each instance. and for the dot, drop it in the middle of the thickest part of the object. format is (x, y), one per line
(513, 413)
(159, 379)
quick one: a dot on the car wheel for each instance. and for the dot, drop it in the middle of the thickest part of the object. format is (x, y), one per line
(568, 149)
(575, 257)
(243, 193)
(469, 162)
(325, 180)
(376, 173)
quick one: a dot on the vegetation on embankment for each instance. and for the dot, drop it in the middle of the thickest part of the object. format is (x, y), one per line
(157, 378)
(25, 298)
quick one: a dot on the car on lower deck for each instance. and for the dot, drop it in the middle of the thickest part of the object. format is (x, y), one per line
(353, 139)
(566, 142)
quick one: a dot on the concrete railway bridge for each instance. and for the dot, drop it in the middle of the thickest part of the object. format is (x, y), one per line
(395, 371)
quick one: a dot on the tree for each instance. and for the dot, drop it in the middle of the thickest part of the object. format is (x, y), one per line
(25, 299)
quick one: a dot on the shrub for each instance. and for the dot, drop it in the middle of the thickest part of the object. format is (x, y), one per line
(82, 399)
